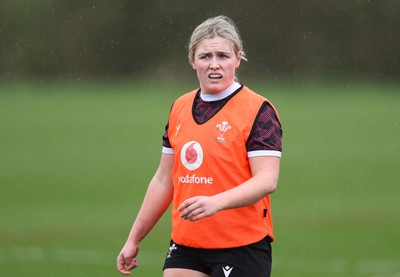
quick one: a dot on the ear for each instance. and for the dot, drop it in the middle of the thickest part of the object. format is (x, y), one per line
(191, 60)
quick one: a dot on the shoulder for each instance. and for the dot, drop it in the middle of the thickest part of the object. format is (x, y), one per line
(184, 100)
(251, 98)
(267, 105)
(252, 93)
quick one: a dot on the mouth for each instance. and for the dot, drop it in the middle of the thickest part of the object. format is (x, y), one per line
(214, 76)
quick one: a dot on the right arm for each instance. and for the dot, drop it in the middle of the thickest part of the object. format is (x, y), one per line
(157, 200)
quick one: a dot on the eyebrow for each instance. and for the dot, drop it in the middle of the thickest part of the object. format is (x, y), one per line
(217, 51)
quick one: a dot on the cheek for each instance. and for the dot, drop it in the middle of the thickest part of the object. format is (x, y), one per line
(233, 67)
(201, 68)
(198, 65)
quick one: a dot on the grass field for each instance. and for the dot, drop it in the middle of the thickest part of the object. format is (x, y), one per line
(75, 160)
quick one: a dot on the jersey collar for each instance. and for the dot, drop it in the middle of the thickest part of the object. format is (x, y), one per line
(220, 95)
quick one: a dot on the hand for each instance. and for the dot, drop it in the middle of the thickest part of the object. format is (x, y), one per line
(126, 260)
(198, 207)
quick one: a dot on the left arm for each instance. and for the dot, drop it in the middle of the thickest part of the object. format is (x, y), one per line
(265, 171)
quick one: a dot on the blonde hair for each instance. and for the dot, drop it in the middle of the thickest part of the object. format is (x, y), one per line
(221, 26)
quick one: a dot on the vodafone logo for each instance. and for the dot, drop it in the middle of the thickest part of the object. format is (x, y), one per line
(192, 155)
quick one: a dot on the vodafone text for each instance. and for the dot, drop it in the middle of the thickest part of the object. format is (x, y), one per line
(193, 179)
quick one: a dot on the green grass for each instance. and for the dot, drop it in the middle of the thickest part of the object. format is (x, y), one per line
(75, 160)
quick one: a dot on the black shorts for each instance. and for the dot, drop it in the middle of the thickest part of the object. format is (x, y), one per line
(251, 260)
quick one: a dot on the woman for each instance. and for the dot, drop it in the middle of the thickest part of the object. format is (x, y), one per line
(219, 164)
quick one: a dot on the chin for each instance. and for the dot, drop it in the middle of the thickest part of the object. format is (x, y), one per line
(215, 88)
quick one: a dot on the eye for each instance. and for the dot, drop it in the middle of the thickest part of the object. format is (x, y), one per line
(204, 57)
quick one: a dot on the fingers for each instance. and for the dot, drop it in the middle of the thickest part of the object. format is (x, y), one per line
(121, 266)
(186, 204)
(194, 208)
(188, 208)
(126, 264)
(198, 207)
(193, 215)
(196, 217)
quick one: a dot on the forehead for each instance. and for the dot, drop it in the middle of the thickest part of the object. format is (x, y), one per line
(219, 44)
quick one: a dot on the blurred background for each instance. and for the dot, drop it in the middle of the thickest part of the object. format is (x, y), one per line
(85, 91)
(106, 38)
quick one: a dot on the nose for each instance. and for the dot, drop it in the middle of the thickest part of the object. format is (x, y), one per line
(214, 63)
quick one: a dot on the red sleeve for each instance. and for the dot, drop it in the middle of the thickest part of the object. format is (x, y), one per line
(266, 133)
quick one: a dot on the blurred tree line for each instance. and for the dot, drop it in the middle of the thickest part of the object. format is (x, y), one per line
(106, 38)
